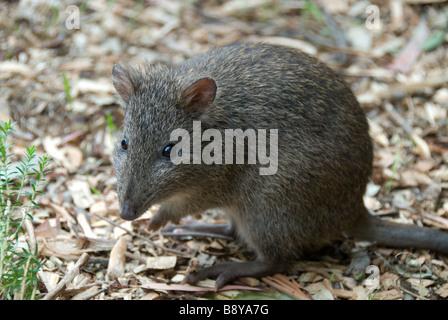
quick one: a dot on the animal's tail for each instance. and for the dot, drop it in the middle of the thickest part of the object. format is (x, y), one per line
(383, 232)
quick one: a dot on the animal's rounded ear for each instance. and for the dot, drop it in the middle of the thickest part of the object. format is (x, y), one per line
(199, 95)
(123, 82)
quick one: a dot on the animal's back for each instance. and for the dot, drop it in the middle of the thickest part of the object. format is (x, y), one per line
(324, 150)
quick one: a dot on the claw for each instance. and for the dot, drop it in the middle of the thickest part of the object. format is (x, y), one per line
(229, 271)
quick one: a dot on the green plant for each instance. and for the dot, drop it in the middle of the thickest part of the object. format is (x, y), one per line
(111, 124)
(19, 185)
(94, 190)
(66, 88)
(135, 12)
(314, 10)
(53, 18)
(395, 164)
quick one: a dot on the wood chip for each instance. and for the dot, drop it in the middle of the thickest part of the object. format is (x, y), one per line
(393, 294)
(320, 291)
(67, 155)
(117, 259)
(12, 67)
(60, 287)
(150, 296)
(161, 263)
(345, 294)
(404, 61)
(46, 230)
(81, 193)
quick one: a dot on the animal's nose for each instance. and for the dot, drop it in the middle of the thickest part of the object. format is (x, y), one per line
(127, 212)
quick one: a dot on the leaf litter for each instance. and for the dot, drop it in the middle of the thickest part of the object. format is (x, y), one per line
(56, 83)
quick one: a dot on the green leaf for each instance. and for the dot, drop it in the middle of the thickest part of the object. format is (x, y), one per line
(314, 10)
(66, 87)
(14, 177)
(110, 123)
(434, 40)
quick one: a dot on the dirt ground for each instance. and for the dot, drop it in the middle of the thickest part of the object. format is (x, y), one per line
(56, 59)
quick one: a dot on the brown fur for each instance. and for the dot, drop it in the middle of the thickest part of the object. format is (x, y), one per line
(324, 153)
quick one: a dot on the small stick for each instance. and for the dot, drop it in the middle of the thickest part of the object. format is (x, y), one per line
(143, 238)
(62, 285)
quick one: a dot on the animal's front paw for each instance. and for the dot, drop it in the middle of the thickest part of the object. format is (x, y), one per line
(154, 224)
(158, 220)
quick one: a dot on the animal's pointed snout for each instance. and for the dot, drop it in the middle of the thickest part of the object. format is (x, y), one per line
(127, 211)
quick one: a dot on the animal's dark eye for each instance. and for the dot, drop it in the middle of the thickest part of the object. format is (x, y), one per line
(166, 151)
(124, 144)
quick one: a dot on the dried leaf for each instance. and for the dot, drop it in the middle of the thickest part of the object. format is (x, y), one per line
(150, 296)
(407, 57)
(69, 248)
(101, 86)
(46, 230)
(85, 225)
(319, 291)
(421, 147)
(68, 156)
(443, 291)
(88, 292)
(413, 177)
(420, 283)
(288, 286)
(98, 207)
(393, 294)
(441, 221)
(49, 279)
(12, 67)
(345, 294)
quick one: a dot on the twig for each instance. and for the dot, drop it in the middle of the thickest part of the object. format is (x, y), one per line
(33, 250)
(419, 142)
(30, 231)
(288, 286)
(22, 291)
(98, 292)
(398, 118)
(440, 220)
(62, 285)
(428, 275)
(75, 290)
(416, 295)
(410, 88)
(196, 234)
(144, 238)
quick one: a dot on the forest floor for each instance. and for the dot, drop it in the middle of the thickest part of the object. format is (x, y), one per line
(56, 83)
